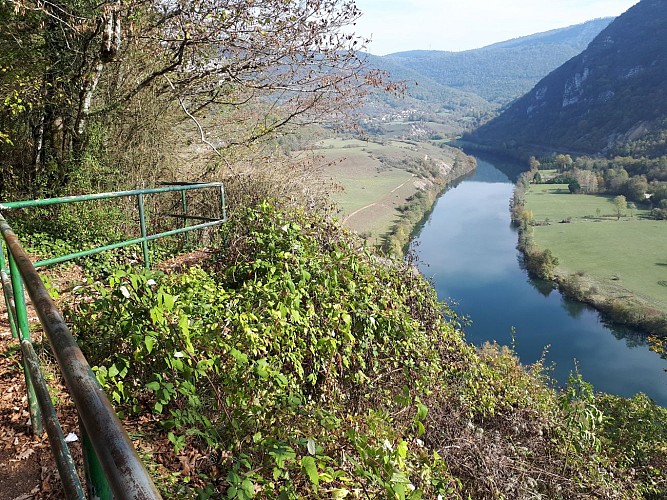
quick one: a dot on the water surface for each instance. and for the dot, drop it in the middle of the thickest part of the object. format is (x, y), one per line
(468, 248)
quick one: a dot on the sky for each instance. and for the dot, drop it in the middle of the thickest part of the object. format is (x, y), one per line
(398, 25)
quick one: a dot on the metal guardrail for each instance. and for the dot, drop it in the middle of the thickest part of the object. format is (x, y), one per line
(113, 468)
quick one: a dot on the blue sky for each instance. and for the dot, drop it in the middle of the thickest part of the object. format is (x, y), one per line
(396, 25)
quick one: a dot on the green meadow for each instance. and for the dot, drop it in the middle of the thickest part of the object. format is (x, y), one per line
(375, 179)
(626, 256)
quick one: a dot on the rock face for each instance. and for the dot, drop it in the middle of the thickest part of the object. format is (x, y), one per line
(613, 92)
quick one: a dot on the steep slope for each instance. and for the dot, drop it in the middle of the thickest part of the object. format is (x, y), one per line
(503, 71)
(422, 89)
(611, 95)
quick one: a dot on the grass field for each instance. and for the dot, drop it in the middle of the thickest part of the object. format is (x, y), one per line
(621, 256)
(373, 186)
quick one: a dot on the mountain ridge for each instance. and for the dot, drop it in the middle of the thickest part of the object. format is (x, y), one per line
(603, 100)
(502, 71)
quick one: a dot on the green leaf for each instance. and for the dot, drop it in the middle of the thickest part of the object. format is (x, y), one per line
(150, 342)
(153, 386)
(233, 477)
(281, 453)
(248, 488)
(113, 371)
(261, 369)
(309, 465)
(240, 357)
(167, 300)
(402, 449)
(420, 429)
(422, 411)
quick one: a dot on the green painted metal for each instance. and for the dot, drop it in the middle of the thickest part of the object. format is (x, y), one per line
(124, 470)
(21, 318)
(104, 196)
(19, 299)
(142, 224)
(184, 207)
(64, 461)
(145, 238)
(136, 241)
(9, 302)
(8, 293)
(97, 485)
(113, 468)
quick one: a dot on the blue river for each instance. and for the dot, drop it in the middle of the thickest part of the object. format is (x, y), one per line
(468, 248)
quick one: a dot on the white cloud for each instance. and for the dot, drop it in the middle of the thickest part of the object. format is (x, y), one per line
(397, 25)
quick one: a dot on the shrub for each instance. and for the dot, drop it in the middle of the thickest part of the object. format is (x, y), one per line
(298, 364)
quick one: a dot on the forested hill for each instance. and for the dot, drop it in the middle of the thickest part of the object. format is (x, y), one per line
(499, 72)
(612, 98)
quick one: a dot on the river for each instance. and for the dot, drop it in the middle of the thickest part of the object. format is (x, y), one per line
(468, 248)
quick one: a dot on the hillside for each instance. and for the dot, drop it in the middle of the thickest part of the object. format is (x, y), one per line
(305, 366)
(608, 99)
(425, 98)
(500, 72)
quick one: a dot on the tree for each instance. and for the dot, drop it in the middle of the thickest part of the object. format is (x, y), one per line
(636, 188)
(534, 163)
(563, 161)
(587, 180)
(252, 67)
(620, 204)
(574, 186)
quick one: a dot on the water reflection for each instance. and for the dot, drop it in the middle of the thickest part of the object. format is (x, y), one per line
(469, 250)
(542, 286)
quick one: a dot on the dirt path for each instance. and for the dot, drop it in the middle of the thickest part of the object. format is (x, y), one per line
(374, 203)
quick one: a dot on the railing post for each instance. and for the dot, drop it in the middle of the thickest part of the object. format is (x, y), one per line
(24, 328)
(184, 206)
(64, 461)
(223, 209)
(8, 293)
(142, 224)
(97, 485)
(122, 466)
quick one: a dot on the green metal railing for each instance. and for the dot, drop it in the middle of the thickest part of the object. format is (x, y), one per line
(112, 466)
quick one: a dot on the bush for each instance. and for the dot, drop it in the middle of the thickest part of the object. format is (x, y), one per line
(542, 263)
(298, 364)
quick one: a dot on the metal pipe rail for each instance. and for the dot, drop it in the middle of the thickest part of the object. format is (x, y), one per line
(124, 475)
(140, 194)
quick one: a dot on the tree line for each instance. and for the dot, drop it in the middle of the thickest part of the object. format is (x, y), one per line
(639, 180)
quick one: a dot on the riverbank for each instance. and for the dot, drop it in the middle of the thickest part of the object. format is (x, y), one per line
(613, 264)
(385, 187)
(418, 207)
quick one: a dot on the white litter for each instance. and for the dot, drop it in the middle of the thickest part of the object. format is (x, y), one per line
(71, 437)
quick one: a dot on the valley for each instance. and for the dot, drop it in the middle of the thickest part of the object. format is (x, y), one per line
(611, 258)
(364, 308)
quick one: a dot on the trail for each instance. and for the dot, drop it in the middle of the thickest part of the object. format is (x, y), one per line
(374, 203)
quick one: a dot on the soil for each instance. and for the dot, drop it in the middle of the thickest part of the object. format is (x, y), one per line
(27, 467)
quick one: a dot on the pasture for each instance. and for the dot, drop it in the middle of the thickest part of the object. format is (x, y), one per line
(375, 179)
(626, 256)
